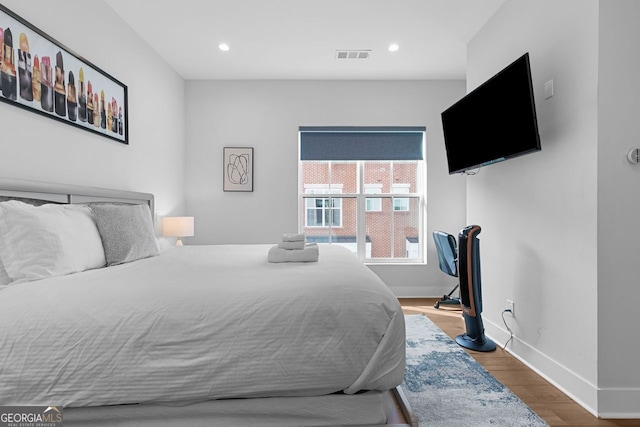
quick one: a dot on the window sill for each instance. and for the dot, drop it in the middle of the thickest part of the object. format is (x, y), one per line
(385, 263)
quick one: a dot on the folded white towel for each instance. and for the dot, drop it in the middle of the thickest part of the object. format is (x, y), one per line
(309, 254)
(292, 245)
(293, 237)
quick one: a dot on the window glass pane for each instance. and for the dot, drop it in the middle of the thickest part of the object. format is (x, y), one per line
(378, 229)
(321, 211)
(314, 212)
(315, 173)
(395, 233)
(406, 172)
(345, 234)
(334, 213)
(344, 228)
(345, 174)
(313, 225)
(377, 173)
(400, 204)
(373, 203)
(406, 226)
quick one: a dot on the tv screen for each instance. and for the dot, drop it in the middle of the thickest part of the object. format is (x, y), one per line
(494, 122)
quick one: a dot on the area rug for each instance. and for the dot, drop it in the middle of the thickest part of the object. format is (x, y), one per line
(447, 387)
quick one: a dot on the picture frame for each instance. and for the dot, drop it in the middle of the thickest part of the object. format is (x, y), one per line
(43, 76)
(237, 169)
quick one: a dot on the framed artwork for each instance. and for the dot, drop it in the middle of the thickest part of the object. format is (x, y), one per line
(238, 169)
(41, 75)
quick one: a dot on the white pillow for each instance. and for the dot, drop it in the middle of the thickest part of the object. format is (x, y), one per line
(48, 240)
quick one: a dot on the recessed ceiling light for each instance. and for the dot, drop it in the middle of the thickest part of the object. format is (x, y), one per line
(393, 47)
(224, 47)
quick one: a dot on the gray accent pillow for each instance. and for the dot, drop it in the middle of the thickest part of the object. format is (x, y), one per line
(126, 231)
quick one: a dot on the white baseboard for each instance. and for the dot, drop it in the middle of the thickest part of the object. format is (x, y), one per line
(619, 403)
(606, 403)
(418, 291)
(577, 388)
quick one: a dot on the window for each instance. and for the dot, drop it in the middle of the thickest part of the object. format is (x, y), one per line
(373, 206)
(400, 203)
(322, 211)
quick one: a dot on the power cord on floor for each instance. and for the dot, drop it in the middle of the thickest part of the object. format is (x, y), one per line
(508, 328)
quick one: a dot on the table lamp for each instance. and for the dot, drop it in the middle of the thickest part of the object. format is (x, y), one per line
(177, 226)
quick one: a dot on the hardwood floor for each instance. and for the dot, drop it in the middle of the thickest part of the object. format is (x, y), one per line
(547, 401)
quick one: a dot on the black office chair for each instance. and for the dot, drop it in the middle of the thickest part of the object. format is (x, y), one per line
(448, 259)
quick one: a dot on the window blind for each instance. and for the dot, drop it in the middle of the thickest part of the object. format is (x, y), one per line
(361, 143)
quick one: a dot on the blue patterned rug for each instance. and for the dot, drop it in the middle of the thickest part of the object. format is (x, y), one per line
(447, 387)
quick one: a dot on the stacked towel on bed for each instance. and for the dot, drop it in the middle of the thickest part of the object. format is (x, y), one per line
(294, 248)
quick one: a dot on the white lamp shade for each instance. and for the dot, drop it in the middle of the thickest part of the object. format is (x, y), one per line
(177, 226)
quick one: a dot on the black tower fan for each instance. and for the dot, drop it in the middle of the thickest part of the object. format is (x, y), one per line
(471, 291)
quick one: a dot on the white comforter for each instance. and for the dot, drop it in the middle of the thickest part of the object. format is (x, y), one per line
(200, 322)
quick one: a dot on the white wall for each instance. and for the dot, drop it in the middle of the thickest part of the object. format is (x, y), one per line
(558, 237)
(266, 115)
(618, 208)
(37, 148)
(538, 212)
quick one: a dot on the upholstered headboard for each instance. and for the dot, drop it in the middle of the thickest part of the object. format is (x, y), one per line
(35, 192)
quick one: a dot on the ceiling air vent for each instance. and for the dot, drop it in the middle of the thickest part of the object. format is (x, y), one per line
(353, 54)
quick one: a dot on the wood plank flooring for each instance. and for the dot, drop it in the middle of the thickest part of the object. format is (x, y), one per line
(546, 400)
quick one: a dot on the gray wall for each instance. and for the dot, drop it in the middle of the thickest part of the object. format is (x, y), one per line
(558, 232)
(38, 148)
(266, 115)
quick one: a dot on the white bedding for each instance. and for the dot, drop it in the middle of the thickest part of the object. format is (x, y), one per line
(198, 323)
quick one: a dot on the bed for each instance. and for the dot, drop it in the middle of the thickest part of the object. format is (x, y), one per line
(197, 335)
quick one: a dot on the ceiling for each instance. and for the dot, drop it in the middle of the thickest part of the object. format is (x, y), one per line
(298, 39)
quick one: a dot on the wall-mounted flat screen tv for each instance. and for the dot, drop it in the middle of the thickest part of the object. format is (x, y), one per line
(494, 122)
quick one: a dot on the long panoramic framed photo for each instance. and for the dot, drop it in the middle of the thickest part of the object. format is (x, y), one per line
(41, 75)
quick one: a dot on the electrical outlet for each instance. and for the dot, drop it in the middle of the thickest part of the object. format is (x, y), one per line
(510, 306)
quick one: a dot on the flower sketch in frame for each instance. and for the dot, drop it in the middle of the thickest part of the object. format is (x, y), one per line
(39, 74)
(238, 169)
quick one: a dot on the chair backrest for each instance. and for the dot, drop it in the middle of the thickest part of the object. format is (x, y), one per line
(447, 252)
